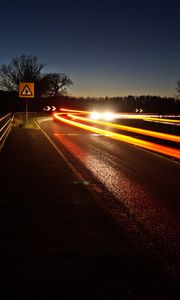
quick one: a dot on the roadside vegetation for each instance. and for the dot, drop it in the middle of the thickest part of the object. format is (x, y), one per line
(19, 119)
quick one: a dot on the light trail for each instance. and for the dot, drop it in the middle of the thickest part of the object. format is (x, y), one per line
(130, 140)
(75, 111)
(164, 121)
(145, 116)
(160, 135)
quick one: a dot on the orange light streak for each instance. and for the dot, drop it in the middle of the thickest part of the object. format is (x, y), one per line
(160, 135)
(130, 140)
(146, 116)
(162, 120)
(75, 111)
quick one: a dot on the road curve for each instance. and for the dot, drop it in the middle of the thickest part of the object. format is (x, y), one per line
(139, 189)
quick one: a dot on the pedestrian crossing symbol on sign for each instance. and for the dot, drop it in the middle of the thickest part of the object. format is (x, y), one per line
(26, 89)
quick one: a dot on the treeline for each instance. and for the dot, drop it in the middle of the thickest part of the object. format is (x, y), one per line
(51, 90)
(129, 103)
(9, 101)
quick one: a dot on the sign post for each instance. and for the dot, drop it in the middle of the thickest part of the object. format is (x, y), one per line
(26, 90)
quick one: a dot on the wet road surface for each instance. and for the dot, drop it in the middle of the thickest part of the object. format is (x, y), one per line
(84, 219)
(139, 189)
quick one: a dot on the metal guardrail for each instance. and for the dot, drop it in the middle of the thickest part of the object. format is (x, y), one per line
(5, 126)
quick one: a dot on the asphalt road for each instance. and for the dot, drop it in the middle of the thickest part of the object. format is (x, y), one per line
(140, 190)
(85, 216)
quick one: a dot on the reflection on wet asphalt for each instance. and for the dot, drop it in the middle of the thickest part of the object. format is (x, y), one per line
(145, 185)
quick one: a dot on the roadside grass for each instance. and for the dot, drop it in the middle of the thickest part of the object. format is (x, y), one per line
(20, 119)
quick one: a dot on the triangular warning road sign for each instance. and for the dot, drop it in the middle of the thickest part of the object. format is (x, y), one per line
(26, 91)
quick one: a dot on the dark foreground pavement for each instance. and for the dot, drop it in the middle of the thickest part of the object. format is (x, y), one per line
(55, 241)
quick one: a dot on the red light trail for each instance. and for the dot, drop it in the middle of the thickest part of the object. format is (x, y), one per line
(64, 117)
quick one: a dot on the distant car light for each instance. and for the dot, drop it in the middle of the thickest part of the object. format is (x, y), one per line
(95, 115)
(108, 116)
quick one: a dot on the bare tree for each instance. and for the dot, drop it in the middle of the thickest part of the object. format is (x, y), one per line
(21, 69)
(28, 69)
(178, 86)
(57, 83)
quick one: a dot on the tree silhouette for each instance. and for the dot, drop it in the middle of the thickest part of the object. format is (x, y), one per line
(28, 69)
(56, 83)
(178, 86)
(21, 69)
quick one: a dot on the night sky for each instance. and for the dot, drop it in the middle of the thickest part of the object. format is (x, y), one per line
(108, 48)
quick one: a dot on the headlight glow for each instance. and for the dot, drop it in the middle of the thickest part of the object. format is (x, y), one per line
(108, 116)
(95, 115)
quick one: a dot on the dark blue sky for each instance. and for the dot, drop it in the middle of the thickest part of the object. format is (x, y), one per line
(106, 47)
